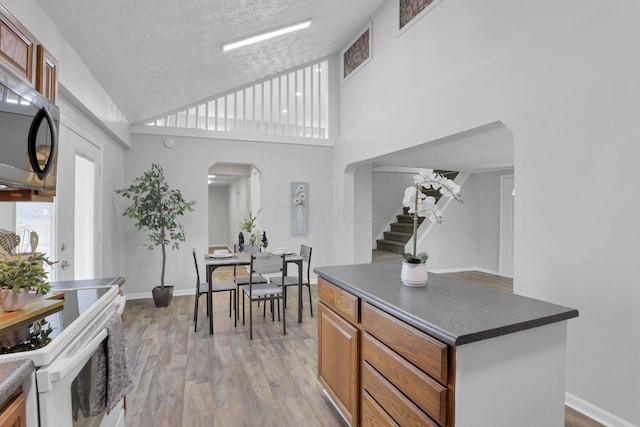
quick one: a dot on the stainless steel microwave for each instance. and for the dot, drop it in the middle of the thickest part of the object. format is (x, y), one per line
(29, 126)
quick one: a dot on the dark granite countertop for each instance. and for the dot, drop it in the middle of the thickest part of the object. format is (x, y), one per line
(12, 375)
(89, 283)
(454, 311)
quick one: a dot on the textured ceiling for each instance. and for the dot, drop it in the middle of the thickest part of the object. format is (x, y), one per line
(154, 56)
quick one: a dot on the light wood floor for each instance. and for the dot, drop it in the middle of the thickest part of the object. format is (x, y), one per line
(187, 378)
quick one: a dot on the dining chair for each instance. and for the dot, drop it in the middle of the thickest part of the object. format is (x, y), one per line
(241, 278)
(218, 286)
(305, 253)
(272, 291)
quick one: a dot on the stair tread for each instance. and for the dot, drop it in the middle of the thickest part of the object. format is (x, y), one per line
(398, 233)
(390, 242)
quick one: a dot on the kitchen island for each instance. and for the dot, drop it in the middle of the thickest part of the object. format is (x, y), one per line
(448, 354)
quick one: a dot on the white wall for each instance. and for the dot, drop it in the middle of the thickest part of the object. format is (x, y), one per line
(219, 232)
(487, 215)
(186, 167)
(564, 80)
(469, 235)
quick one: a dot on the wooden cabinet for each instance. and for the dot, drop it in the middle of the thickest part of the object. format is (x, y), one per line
(378, 370)
(13, 412)
(17, 46)
(46, 74)
(338, 362)
(21, 53)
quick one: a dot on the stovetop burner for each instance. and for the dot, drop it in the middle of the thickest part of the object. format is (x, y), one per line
(40, 332)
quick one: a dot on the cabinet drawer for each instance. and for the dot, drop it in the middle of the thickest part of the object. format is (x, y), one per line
(426, 393)
(391, 401)
(339, 300)
(373, 415)
(425, 352)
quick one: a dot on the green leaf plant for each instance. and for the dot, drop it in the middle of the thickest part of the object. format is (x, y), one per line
(25, 271)
(155, 208)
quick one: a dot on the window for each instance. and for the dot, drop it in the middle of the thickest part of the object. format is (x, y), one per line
(38, 217)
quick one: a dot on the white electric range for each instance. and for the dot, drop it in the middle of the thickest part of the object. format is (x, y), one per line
(63, 347)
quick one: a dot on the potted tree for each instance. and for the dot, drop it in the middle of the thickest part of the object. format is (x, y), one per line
(156, 207)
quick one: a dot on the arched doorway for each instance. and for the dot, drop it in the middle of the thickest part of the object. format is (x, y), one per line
(234, 192)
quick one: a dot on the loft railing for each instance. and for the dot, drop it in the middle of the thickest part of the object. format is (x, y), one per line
(294, 103)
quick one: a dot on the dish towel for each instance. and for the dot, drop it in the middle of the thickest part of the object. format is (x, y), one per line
(112, 382)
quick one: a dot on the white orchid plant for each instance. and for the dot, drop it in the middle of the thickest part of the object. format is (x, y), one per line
(421, 205)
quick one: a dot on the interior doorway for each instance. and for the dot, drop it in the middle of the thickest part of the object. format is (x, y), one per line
(234, 192)
(507, 204)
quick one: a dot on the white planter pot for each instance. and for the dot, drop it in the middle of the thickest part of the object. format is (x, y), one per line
(12, 301)
(414, 275)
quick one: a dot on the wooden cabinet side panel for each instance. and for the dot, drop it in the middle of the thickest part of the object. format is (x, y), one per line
(46, 74)
(338, 359)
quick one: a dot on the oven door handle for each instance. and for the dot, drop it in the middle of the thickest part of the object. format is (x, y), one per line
(57, 371)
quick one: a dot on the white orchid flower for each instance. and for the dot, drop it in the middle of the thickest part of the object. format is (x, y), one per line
(409, 199)
(421, 205)
(427, 208)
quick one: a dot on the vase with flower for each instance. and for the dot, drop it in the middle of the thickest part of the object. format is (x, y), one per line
(250, 238)
(414, 268)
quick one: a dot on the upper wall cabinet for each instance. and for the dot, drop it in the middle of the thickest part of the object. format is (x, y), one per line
(22, 53)
(16, 46)
(46, 74)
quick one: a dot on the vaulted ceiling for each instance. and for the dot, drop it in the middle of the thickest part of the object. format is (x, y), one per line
(154, 56)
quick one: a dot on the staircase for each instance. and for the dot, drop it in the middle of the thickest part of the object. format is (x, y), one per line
(402, 230)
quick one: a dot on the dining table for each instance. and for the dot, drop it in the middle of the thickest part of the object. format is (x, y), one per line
(213, 262)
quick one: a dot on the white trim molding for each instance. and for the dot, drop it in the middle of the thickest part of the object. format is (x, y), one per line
(594, 412)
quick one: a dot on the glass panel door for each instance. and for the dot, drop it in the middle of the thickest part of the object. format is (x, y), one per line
(78, 207)
(84, 218)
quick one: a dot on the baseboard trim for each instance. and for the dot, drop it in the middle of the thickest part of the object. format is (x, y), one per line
(335, 407)
(144, 295)
(183, 292)
(594, 412)
(459, 269)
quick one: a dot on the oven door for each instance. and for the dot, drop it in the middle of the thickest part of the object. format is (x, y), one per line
(66, 388)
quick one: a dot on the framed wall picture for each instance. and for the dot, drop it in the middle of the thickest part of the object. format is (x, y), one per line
(299, 208)
(411, 11)
(357, 54)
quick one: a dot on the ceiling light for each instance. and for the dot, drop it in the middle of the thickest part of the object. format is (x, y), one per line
(284, 111)
(298, 93)
(211, 176)
(266, 36)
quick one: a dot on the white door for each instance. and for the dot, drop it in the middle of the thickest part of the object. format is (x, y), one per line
(507, 202)
(77, 201)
